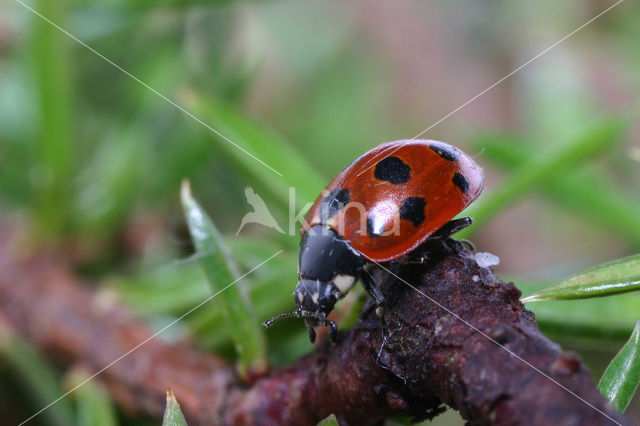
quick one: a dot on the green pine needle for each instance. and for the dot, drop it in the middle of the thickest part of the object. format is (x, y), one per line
(332, 420)
(619, 276)
(172, 414)
(222, 272)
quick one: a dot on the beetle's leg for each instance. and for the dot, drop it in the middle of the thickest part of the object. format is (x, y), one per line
(452, 227)
(312, 335)
(469, 245)
(374, 291)
(333, 331)
(438, 243)
(372, 288)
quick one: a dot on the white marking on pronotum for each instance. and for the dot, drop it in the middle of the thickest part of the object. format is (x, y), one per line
(344, 283)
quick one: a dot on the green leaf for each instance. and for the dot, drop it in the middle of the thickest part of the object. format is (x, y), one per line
(545, 167)
(223, 274)
(620, 380)
(94, 407)
(619, 276)
(332, 420)
(172, 414)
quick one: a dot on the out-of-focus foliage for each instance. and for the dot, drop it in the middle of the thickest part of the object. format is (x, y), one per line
(36, 377)
(93, 401)
(91, 159)
(587, 191)
(545, 165)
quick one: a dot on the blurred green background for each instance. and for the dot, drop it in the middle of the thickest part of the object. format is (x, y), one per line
(91, 160)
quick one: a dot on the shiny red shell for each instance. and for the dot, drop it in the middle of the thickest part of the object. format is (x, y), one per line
(392, 198)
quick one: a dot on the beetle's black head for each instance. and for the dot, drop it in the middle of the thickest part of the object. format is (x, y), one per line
(315, 300)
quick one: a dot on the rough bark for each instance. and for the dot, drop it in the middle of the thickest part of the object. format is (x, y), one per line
(429, 357)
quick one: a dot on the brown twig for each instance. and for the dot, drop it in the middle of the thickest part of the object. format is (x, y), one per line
(428, 355)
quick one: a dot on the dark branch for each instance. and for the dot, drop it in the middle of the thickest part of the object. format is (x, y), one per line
(429, 355)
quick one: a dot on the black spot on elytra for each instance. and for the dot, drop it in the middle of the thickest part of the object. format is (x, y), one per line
(333, 203)
(392, 169)
(412, 209)
(449, 153)
(372, 233)
(461, 182)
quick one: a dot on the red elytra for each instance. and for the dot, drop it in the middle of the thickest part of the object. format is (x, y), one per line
(397, 195)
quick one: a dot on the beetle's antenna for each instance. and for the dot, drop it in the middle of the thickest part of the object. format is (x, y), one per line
(270, 321)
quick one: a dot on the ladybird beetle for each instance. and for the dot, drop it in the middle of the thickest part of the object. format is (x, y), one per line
(378, 209)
